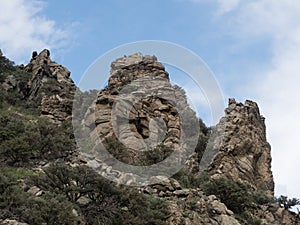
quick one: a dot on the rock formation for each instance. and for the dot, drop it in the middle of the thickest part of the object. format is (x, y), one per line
(129, 108)
(190, 206)
(141, 108)
(50, 85)
(243, 153)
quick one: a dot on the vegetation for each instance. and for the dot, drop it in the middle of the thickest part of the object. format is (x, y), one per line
(16, 203)
(188, 180)
(63, 187)
(82, 102)
(134, 157)
(15, 90)
(286, 202)
(107, 203)
(238, 197)
(25, 139)
(72, 194)
(69, 194)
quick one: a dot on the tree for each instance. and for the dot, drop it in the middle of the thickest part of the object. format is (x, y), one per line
(235, 195)
(15, 202)
(286, 202)
(26, 137)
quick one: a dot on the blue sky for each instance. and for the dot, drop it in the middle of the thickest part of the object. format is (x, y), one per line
(253, 48)
(101, 26)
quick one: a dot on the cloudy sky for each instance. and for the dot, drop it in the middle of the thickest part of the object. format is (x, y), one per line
(252, 47)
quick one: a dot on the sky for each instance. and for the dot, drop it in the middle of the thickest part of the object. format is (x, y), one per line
(252, 47)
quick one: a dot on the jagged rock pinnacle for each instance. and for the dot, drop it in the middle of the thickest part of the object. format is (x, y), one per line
(243, 151)
(50, 85)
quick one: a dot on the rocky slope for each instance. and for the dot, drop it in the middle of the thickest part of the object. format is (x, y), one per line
(140, 108)
(238, 149)
(43, 84)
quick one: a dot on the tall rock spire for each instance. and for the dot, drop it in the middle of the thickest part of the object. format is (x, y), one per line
(243, 153)
(50, 86)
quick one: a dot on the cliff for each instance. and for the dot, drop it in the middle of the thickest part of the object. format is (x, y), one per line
(51, 86)
(242, 151)
(142, 110)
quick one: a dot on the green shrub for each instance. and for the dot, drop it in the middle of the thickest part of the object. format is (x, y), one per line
(156, 155)
(260, 198)
(51, 209)
(74, 182)
(134, 157)
(108, 204)
(6, 64)
(237, 196)
(16, 203)
(142, 209)
(15, 138)
(55, 141)
(17, 173)
(247, 218)
(188, 180)
(23, 138)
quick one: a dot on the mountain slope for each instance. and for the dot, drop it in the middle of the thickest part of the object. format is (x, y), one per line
(44, 179)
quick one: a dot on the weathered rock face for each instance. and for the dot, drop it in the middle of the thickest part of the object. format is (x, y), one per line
(243, 153)
(50, 85)
(140, 107)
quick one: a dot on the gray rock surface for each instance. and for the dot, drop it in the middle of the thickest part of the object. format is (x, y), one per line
(243, 153)
(140, 108)
(51, 85)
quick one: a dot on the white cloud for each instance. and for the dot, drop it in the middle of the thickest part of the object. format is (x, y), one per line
(224, 6)
(24, 30)
(278, 89)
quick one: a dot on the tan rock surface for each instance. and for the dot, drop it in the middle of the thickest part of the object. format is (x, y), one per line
(51, 85)
(243, 153)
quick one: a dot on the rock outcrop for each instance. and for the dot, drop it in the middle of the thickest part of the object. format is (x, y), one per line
(51, 86)
(191, 206)
(243, 153)
(141, 108)
(135, 108)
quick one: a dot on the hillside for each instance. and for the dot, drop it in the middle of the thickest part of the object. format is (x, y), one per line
(54, 169)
